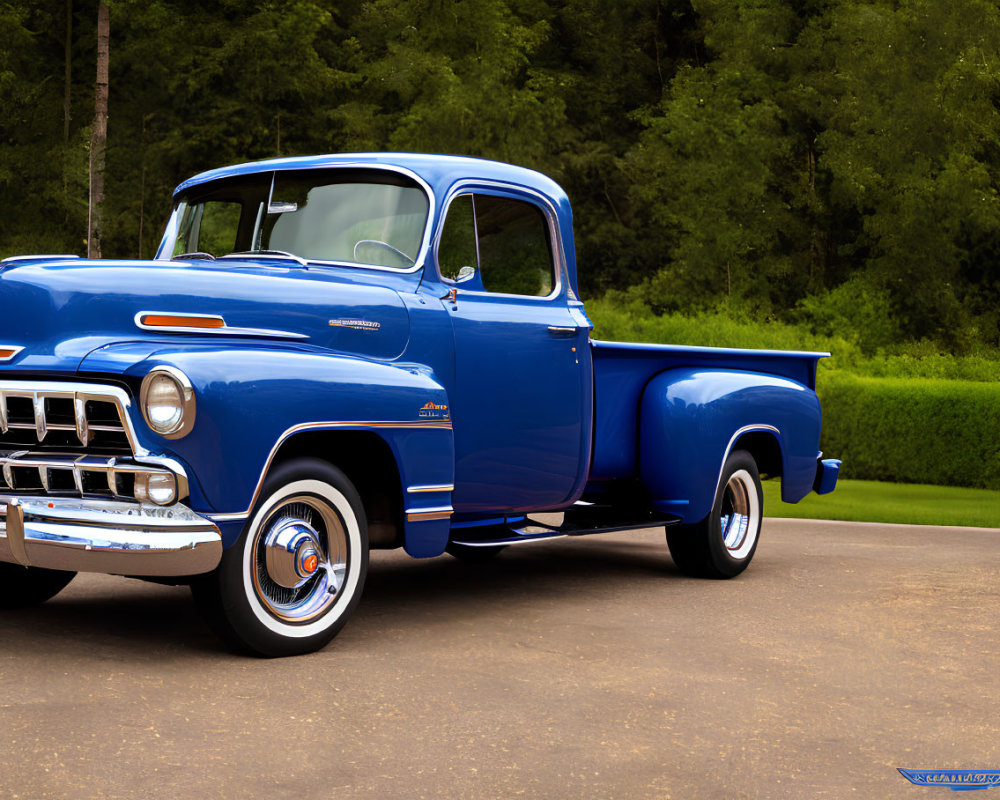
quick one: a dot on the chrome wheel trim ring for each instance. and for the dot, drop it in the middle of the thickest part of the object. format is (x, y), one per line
(316, 608)
(739, 518)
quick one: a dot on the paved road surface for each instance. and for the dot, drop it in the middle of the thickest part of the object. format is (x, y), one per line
(583, 668)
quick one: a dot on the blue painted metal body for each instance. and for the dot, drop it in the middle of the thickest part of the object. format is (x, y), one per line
(532, 421)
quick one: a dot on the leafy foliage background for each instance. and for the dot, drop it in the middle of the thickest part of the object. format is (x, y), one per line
(793, 173)
(828, 163)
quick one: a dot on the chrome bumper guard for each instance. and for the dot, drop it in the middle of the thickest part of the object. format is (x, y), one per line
(107, 536)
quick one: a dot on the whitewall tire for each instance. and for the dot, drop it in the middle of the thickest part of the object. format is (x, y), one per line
(290, 582)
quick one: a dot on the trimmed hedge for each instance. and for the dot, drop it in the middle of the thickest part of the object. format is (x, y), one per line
(913, 430)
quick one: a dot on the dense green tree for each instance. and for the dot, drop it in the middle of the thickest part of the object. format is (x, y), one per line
(828, 161)
(841, 156)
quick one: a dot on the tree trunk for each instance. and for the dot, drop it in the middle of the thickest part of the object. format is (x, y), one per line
(67, 91)
(99, 138)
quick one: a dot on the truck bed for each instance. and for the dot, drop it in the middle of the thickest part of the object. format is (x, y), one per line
(622, 370)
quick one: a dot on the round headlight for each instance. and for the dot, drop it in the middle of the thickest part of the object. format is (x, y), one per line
(167, 400)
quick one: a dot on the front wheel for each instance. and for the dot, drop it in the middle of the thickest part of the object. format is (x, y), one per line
(289, 583)
(723, 544)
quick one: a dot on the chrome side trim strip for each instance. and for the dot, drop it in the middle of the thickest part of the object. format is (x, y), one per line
(320, 426)
(428, 514)
(737, 435)
(437, 510)
(442, 488)
(223, 331)
(227, 517)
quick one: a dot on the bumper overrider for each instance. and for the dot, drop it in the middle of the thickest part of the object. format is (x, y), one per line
(106, 536)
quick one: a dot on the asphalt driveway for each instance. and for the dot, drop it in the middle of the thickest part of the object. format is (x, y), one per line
(575, 668)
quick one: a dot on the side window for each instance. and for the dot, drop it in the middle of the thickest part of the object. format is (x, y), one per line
(515, 255)
(219, 223)
(457, 248)
(505, 240)
(209, 227)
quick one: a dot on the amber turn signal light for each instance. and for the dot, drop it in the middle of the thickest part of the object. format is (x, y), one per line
(171, 321)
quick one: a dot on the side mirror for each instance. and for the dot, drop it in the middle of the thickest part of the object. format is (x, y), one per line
(465, 274)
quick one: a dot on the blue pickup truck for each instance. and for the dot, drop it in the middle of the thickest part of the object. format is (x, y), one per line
(338, 353)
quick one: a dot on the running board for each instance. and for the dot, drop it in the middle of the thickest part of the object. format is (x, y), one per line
(576, 522)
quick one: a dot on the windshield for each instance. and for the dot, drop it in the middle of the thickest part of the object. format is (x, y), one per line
(350, 216)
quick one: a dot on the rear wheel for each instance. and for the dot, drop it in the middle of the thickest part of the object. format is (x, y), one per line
(723, 544)
(23, 587)
(289, 583)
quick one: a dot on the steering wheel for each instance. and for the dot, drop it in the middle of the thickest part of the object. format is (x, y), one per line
(386, 245)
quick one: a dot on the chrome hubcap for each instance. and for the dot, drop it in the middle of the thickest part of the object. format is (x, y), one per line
(738, 517)
(300, 559)
(292, 553)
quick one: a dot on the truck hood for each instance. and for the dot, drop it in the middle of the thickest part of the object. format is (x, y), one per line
(59, 311)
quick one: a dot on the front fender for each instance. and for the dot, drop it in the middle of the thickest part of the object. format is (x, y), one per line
(692, 418)
(250, 399)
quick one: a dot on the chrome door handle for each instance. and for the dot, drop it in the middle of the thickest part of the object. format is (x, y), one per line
(563, 332)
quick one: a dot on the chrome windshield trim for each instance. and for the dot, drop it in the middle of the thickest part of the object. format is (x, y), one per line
(425, 244)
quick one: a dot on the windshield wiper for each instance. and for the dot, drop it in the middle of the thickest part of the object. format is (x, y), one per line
(274, 253)
(196, 256)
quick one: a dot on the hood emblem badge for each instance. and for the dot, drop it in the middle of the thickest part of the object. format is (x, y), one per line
(356, 324)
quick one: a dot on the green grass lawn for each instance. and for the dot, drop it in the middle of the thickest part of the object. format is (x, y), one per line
(872, 501)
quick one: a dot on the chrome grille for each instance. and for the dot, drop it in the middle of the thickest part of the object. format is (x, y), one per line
(67, 474)
(64, 416)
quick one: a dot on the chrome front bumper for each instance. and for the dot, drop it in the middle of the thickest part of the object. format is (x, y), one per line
(106, 536)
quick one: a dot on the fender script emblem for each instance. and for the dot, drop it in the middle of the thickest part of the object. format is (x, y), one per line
(356, 324)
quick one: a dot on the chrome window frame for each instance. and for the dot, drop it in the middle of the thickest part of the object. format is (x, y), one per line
(511, 191)
(425, 240)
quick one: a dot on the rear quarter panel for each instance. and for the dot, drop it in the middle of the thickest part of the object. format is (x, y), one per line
(691, 419)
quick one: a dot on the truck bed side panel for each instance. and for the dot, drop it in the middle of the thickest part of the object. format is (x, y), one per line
(622, 371)
(691, 419)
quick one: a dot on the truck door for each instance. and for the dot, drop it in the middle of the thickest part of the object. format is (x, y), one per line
(521, 358)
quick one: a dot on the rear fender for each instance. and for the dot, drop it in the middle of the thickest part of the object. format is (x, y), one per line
(691, 420)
